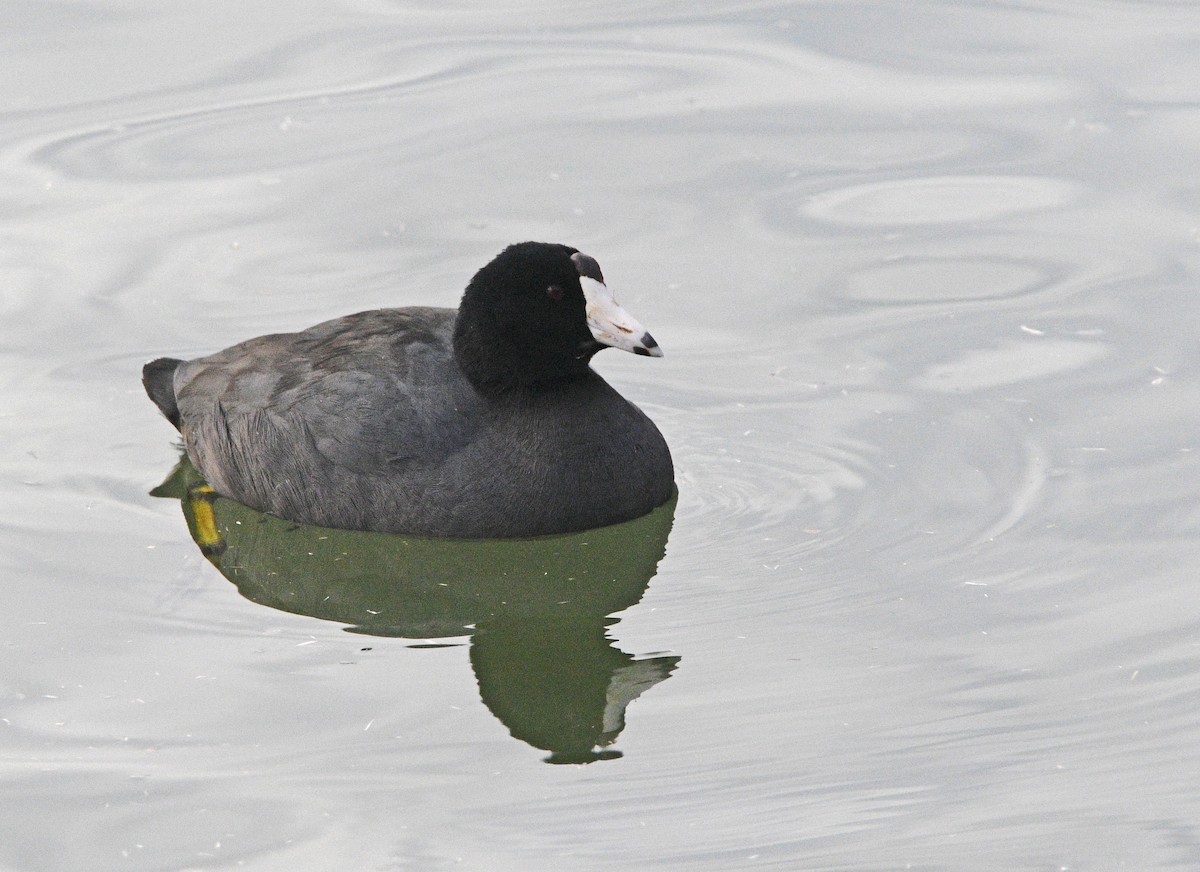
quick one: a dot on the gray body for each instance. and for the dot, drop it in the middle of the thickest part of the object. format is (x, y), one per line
(367, 422)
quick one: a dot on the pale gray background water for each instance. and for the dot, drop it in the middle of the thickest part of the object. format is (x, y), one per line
(926, 278)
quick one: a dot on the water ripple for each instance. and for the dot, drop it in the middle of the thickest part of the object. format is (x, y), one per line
(939, 200)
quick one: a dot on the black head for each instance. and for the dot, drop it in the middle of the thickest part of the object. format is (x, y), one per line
(536, 314)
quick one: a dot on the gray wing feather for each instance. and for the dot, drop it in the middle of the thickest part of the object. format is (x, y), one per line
(305, 424)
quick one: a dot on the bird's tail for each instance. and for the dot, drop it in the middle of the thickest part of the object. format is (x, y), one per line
(158, 377)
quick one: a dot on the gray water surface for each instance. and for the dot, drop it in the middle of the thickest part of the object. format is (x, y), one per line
(926, 279)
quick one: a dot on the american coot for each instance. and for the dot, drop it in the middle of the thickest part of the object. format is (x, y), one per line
(484, 422)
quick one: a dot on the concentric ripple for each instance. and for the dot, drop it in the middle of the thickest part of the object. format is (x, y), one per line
(795, 470)
(740, 475)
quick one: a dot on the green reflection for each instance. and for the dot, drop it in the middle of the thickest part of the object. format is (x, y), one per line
(536, 610)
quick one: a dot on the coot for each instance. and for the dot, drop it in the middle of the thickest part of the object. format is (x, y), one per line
(484, 422)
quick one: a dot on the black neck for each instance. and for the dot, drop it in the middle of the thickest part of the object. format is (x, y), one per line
(494, 364)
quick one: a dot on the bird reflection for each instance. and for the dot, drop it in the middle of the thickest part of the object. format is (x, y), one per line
(536, 610)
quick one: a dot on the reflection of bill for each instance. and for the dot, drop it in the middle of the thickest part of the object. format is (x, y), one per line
(536, 610)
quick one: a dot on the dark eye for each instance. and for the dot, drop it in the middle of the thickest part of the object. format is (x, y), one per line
(554, 292)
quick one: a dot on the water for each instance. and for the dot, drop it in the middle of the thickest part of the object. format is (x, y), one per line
(925, 275)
